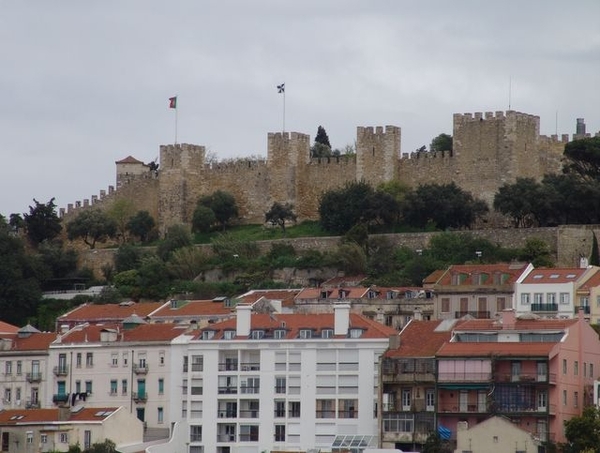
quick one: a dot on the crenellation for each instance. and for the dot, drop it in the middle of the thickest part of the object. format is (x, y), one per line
(489, 115)
(478, 115)
(94, 199)
(499, 114)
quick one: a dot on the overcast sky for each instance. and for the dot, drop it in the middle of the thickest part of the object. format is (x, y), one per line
(86, 83)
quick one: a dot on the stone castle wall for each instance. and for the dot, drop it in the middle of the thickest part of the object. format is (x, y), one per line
(490, 149)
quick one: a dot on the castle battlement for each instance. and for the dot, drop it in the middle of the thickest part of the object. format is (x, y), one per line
(497, 115)
(366, 131)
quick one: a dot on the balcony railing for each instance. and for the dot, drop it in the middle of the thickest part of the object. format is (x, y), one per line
(250, 366)
(249, 413)
(544, 308)
(140, 369)
(228, 366)
(464, 377)
(584, 308)
(463, 408)
(231, 389)
(252, 389)
(225, 437)
(225, 413)
(139, 397)
(33, 377)
(61, 370)
(60, 398)
(32, 405)
(525, 378)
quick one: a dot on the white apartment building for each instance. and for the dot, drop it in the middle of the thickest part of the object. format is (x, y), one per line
(23, 368)
(114, 365)
(279, 382)
(551, 292)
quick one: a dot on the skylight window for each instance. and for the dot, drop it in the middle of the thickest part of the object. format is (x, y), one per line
(537, 276)
(570, 275)
(554, 276)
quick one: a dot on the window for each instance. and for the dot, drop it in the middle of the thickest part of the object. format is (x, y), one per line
(325, 409)
(18, 395)
(576, 368)
(348, 408)
(229, 334)
(575, 399)
(327, 333)
(280, 385)
(44, 438)
(184, 387)
(445, 304)
(89, 359)
(78, 360)
(161, 386)
(430, 399)
(195, 433)
(395, 422)
(294, 409)
(525, 299)
(249, 433)
(196, 387)
(196, 409)
(161, 358)
(87, 439)
(597, 301)
(124, 387)
(278, 334)
(564, 398)
(208, 334)
(64, 438)
(257, 334)
(7, 395)
(565, 298)
(305, 333)
(8, 367)
(125, 358)
(538, 298)
(279, 433)
(406, 399)
(197, 363)
(77, 386)
(501, 304)
(279, 409)
(564, 367)
(591, 370)
(184, 409)
(19, 367)
(29, 435)
(355, 333)
(160, 415)
(88, 387)
(113, 386)
(114, 359)
(551, 298)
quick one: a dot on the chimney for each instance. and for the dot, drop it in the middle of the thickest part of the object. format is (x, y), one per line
(64, 413)
(509, 319)
(394, 341)
(243, 314)
(341, 314)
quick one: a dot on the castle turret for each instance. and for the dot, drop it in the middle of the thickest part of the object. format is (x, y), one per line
(377, 153)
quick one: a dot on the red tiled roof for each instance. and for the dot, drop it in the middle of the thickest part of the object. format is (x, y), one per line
(35, 342)
(295, 322)
(516, 349)
(29, 416)
(129, 160)
(94, 312)
(591, 282)
(514, 270)
(349, 292)
(420, 339)
(7, 328)
(190, 308)
(143, 332)
(555, 275)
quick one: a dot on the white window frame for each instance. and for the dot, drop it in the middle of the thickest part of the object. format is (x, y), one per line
(525, 298)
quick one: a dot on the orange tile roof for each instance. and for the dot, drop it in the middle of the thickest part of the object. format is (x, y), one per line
(30, 416)
(349, 292)
(592, 281)
(34, 342)
(143, 332)
(555, 275)
(420, 339)
(95, 312)
(295, 322)
(190, 308)
(514, 270)
(516, 349)
(7, 328)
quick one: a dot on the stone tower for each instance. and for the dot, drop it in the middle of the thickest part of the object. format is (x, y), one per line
(377, 154)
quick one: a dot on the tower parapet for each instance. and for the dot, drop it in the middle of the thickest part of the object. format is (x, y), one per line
(377, 153)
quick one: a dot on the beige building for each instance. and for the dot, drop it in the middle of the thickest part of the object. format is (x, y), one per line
(497, 434)
(43, 430)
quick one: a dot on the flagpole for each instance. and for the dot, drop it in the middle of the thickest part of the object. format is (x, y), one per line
(176, 125)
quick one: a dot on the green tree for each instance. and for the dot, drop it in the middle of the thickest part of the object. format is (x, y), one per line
(203, 219)
(108, 446)
(279, 214)
(537, 252)
(177, 237)
(583, 432)
(61, 262)
(321, 146)
(187, 263)
(435, 444)
(42, 223)
(141, 225)
(594, 254)
(127, 257)
(582, 157)
(92, 226)
(121, 212)
(223, 204)
(442, 142)
(341, 209)
(443, 206)
(351, 258)
(16, 222)
(322, 137)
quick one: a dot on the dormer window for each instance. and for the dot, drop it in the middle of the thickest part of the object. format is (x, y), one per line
(228, 334)
(327, 333)
(208, 334)
(278, 334)
(372, 294)
(227, 303)
(323, 294)
(305, 333)
(257, 334)
(389, 295)
(355, 333)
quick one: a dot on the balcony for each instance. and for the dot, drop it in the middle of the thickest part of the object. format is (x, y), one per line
(249, 413)
(33, 377)
(227, 413)
(32, 405)
(61, 370)
(544, 308)
(584, 308)
(60, 398)
(139, 397)
(250, 366)
(464, 377)
(228, 390)
(526, 378)
(228, 366)
(225, 437)
(140, 369)
(463, 408)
